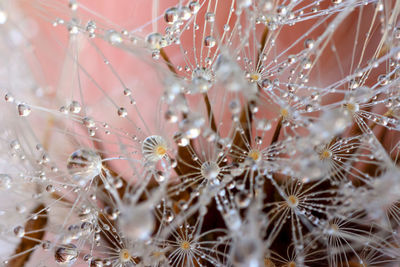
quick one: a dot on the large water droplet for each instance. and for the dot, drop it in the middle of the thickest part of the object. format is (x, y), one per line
(5, 182)
(66, 254)
(84, 164)
(171, 15)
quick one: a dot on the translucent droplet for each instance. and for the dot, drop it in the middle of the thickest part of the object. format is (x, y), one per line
(171, 116)
(160, 177)
(244, 3)
(306, 64)
(114, 37)
(209, 41)
(185, 13)
(210, 17)
(73, 5)
(202, 80)
(3, 17)
(263, 125)
(19, 231)
(282, 10)
(154, 148)
(191, 126)
(309, 43)
(15, 145)
(396, 33)
(5, 182)
(194, 6)
(66, 254)
(127, 92)
(75, 107)
(88, 122)
(171, 15)
(84, 164)
(235, 106)
(210, 170)
(8, 97)
(122, 112)
(24, 110)
(154, 41)
(181, 140)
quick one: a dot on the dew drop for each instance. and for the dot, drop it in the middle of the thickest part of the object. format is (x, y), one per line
(5, 181)
(114, 37)
(154, 41)
(19, 231)
(209, 41)
(75, 107)
(3, 17)
(122, 112)
(24, 110)
(194, 6)
(8, 97)
(84, 164)
(66, 254)
(171, 15)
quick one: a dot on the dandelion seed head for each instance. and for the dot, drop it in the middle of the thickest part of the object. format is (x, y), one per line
(203, 133)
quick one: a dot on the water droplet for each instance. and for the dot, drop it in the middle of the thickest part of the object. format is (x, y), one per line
(122, 112)
(5, 182)
(75, 107)
(171, 116)
(154, 40)
(171, 15)
(202, 79)
(210, 17)
(263, 125)
(209, 41)
(24, 110)
(66, 254)
(191, 126)
(127, 92)
(84, 164)
(185, 13)
(19, 231)
(8, 97)
(114, 37)
(194, 6)
(396, 33)
(88, 122)
(306, 64)
(3, 17)
(15, 145)
(309, 43)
